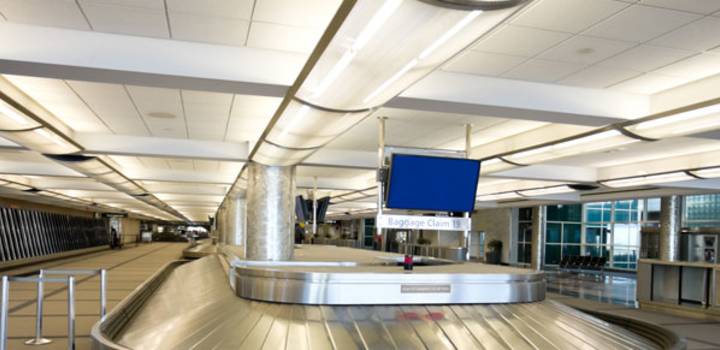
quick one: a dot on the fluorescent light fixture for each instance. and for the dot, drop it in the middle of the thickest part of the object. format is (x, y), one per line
(12, 119)
(546, 191)
(649, 180)
(498, 196)
(41, 140)
(378, 50)
(685, 123)
(587, 144)
(708, 173)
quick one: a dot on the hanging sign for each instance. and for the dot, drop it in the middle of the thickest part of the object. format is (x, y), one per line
(409, 222)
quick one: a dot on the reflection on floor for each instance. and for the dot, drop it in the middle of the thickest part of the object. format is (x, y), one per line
(615, 293)
(609, 287)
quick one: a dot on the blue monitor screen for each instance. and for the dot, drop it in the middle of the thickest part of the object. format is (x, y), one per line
(432, 183)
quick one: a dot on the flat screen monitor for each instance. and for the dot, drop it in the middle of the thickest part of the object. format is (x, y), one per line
(432, 183)
(323, 204)
(301, 209)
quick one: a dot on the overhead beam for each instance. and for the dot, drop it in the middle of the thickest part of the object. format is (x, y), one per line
(112, 58)
(110, 144)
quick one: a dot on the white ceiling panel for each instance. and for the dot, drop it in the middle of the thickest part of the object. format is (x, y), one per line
(144, 18)
(700, 35)
(56, 13)
(543, 70)
(213, 30)
(694, 68)
(307, 13)
(598, 77)
(113, 105)
(704, 7)
(585, 49)
(58, 98)
(483, 63)
(646, 58)
(161, 109)
(572, 16)
(641, 23)
(282, 37)
(237, 9)
(207, 113)
(649, 83)
(520, 41)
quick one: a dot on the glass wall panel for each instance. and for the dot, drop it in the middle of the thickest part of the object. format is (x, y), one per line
(554, 232)
(552, 254)
(572, 233)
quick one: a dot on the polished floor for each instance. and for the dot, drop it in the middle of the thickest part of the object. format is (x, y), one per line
(615, 294)
(127, 269)
(609, 288)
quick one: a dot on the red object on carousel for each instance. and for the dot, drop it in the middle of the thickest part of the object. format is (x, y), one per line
(408, 262)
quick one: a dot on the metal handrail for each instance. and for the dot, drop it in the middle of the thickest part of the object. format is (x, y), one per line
(40, 280)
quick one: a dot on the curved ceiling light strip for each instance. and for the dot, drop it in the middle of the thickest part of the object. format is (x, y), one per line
(105, 173)
(370, 53)
(24, 122)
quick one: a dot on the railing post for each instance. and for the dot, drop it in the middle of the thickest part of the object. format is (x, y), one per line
(39, 340)
(103, 293)
(71, 312)
(4, 312)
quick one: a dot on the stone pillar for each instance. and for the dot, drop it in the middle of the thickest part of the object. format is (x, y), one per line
(235, 234)
(670, 225)
(270, 212)
(537, 260)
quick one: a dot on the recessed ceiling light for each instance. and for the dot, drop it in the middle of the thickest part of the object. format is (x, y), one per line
(161, 115)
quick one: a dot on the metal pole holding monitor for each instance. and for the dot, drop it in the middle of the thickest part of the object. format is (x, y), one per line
(380, 175)
(468, 147)
(314, 199)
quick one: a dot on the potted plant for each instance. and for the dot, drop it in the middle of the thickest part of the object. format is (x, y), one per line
(494, 253)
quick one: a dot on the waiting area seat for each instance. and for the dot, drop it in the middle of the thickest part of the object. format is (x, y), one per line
(583, 262)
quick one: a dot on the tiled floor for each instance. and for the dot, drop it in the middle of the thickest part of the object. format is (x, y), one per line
(615, 294)
(127, 268)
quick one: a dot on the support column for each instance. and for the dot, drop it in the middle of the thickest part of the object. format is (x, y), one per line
(670, 225)
(270, 212)
(235, 222)
(537, 260)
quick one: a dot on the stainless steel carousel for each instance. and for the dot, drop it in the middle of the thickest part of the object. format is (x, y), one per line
(363, 301)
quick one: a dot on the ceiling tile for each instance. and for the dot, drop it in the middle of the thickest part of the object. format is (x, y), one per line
(213, 30)
(649, 83)
(646, 58)
(307, 13)
(112, 104)
(127, 19)
(207, 114)
(57, 13)
(700, 35)
(584, 49)
(694, 68)
(483, 63)
(248, 106)
(641, 23)
(520, 41)
(57, 97)
(161, 109)
(230, 9)
(598, 77)
(281, 37)
(572, 16)
(543, 70)
(704, 7)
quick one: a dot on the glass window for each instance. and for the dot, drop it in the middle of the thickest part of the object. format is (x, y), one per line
(564, 212)
(552, 254)
(553, 231)
(570, 250)
(525, 232)
(525, 214)
(571, 233)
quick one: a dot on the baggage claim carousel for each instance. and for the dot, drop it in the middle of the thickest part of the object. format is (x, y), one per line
(341, 298)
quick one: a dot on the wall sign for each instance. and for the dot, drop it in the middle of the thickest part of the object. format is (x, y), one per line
(442, 223)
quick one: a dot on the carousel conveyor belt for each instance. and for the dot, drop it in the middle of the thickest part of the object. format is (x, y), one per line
(191, 306)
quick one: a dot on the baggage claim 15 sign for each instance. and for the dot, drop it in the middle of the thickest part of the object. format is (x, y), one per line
(410, 222)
